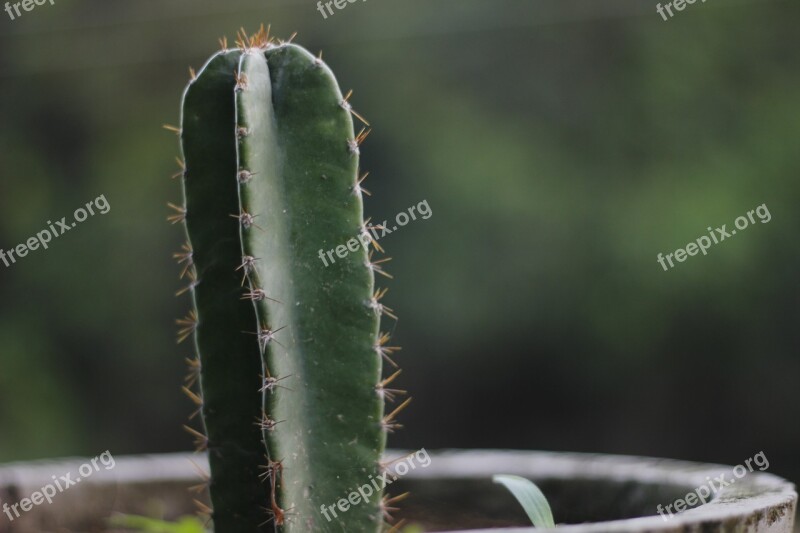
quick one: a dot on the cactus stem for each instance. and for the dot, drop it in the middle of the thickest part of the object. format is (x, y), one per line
(378, 307)
(271, 469)
(284, 124)
(271, 383)
(376, 266)
(389, 394)
(247, 266)
(266, 335)
(247, 220)
(184, 257)
(358, 141)
(367, 228)
(347, 106)
(258, 295)
(241, 80)
(278, 515)
(274, 472)
(266, 423)
(389, 423)
(358, 188)
(386, 351)
(267, 470)
(245, 176)
(193, 282)
(182, 172)
(188, 325)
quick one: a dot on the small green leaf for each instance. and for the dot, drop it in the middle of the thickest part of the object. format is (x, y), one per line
(530, 497)
(186, 524)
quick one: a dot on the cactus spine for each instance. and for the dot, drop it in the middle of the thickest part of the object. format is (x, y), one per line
(289, 347)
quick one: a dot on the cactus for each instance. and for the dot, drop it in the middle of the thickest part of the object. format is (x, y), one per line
(289, 349)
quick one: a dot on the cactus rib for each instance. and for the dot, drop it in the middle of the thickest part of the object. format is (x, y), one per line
(328, 437)
(230, 362)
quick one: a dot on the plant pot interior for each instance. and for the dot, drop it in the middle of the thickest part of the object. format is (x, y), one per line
(447, 504)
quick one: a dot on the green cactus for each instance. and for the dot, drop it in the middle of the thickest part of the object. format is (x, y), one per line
(289, 349)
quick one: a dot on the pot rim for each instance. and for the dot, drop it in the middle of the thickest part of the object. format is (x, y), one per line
(755, 498)
(760, 497)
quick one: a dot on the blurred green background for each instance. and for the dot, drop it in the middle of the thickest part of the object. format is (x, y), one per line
(561, 145)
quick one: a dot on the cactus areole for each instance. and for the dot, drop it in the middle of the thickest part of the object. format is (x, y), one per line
(289, 352)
